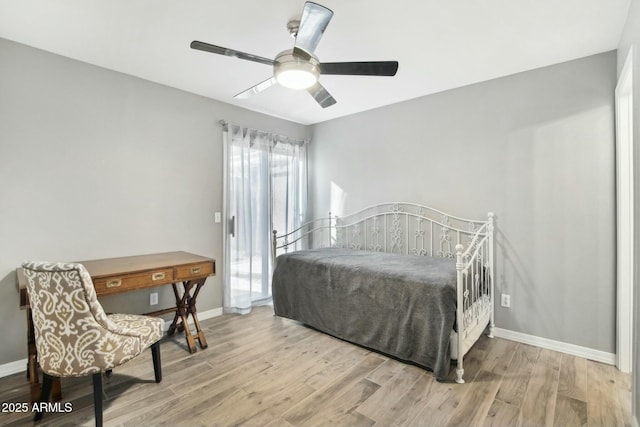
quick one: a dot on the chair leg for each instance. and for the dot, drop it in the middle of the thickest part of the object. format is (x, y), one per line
(47, 382)
(97, 397)
(157, 366)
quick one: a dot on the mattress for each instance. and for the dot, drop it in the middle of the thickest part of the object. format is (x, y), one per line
(400, 305)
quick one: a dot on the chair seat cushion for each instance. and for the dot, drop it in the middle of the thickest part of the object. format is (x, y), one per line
(150, 328)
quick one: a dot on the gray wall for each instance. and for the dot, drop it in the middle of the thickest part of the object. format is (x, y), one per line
(95, 163)
(536, 148)
(631, 38)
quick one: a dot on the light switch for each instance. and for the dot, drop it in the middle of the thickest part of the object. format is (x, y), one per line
(218, 217)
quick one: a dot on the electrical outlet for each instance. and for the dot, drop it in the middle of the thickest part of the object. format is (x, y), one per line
(153, 298)
(506, 300)
(217, 217)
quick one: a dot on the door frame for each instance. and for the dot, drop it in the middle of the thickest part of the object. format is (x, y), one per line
(625, 164)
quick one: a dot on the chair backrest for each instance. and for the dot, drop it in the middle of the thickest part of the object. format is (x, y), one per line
(74, 336)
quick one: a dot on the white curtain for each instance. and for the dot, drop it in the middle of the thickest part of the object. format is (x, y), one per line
(265, 188)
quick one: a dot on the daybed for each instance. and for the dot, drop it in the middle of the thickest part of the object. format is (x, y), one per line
(399, 278)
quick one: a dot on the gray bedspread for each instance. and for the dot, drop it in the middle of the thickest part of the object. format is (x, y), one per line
(401, 305)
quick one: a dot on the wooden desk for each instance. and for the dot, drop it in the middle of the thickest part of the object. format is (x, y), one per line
(114, 276)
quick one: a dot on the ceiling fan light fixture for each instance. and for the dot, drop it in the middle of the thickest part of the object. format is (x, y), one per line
(295, 73)
(296, 79)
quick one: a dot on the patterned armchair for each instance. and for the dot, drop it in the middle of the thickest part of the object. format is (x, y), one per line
(74, 337)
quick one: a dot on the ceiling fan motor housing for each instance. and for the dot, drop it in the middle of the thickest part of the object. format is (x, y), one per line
(294, 72)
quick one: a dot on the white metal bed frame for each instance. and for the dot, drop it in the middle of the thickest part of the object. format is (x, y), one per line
(413, 229)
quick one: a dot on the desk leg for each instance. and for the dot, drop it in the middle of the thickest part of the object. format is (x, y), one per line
(185, 306)
(194, 315)
(182, 306)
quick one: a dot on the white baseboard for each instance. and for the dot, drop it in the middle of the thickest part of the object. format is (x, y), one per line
(202, 315)
(210, 314)
(21, 365)
(575, 350)
(13, 368)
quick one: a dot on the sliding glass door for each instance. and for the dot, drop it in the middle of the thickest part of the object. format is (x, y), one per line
(265, 188)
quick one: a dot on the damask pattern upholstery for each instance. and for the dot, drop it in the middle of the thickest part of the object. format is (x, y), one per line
(147, 326)
(74, 336)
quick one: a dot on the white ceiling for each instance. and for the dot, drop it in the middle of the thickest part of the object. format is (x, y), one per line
(440, 44)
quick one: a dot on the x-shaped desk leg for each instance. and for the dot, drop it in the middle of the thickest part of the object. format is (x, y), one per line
(185, 306)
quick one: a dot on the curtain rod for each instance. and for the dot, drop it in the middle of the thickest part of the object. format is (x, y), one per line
(225, 124)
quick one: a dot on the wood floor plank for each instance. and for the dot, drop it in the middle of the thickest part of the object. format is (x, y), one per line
(192, 400)
(335, 363)
(573, 377)
(307, 409)
(502, 414)
(517, 375)
(390, 392)
(538, 407)
(275, 390)
(266, 407)
(279, 422)
(500, 353)
(483, 343)
(351, 419)
(340, 409)
(408, 406)
(220, 412)
(623, 386)
(444, 398)
(601, 408)
(479, 397)
(570, 412)
(385, 372)
(136, 402)
(253, 408)
(190, 409)
(256, 387)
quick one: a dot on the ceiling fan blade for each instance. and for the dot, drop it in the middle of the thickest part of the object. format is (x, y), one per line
(314, 21)
(370, 68)
(321, 95)
(256, 89)
(229, 52)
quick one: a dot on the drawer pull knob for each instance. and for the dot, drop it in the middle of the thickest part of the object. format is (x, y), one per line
(114, 283)
(157, 276)
(195, 270)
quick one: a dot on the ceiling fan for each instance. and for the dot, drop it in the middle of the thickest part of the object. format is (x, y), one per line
(299, 68)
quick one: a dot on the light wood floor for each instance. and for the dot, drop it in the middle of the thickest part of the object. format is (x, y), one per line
(261, 370)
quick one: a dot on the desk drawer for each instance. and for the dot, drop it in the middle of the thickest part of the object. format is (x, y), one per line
(133, 281)
(193, 271)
